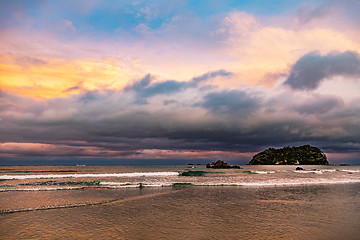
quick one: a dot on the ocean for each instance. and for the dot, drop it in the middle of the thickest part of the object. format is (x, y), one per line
(179, 202)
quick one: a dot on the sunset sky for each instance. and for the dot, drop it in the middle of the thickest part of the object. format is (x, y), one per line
(172, 81)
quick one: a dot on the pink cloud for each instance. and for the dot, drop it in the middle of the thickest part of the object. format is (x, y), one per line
(66, 25)
(40, 149)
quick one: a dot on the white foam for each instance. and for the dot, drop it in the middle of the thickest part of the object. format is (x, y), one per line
(308, 171)
(134, 185)
(122, 186)
(329, 170)
(96, 175)
(351, 171)
(289, 182)
(39, 189)
(115, 183)
(325, 170)
(263, 172)
(119, 184)
(241, 183)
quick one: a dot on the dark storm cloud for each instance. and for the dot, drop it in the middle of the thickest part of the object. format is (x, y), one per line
(109, 121)
(223, 120)
(310, 70)
(233, 102)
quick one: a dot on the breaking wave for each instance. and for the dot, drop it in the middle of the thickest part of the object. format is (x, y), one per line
(90, 175)
(140, 179)
(272, 183)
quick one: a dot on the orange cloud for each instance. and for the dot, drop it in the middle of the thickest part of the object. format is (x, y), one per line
(256, 53)
(60, 77)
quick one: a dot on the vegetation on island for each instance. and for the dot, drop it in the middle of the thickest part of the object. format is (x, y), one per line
(303, 155)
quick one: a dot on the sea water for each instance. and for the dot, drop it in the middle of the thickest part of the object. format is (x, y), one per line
(157, 202)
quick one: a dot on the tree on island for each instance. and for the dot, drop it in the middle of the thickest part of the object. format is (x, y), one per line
(303, 155)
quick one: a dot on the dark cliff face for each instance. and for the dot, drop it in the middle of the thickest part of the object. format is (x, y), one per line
(303, 155)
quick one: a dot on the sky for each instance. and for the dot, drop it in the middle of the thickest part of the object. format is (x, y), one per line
(177, 81)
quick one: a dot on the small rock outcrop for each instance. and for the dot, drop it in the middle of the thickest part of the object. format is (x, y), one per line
(221, 164)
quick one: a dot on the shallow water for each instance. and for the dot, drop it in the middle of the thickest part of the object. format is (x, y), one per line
(275, 203)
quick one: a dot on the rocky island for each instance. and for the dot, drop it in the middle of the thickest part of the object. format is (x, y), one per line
(221, 164)
(303, 155)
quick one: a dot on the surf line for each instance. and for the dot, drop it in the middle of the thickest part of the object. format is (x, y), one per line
(90, 175)
(121, 200)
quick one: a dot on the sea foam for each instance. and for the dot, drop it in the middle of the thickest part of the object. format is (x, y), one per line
(94, 175)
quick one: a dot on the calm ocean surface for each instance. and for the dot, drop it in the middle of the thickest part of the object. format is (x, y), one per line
(156, 202)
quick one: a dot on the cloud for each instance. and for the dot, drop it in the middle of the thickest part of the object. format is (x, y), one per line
(239, 23)
(167, 102)
(141, 84)
(52, 77)
(335, 13)
(29, 61)
(208, 98)
(307, 13)
(75, 88)
(66, 25)
(253, 42)
(236, 41)
(319, 105)
(71, 89)
(311, 69)
(146, 88)
(209, 75)
(14, 149)
(233, 102)
(109, 123)
(167, 87)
